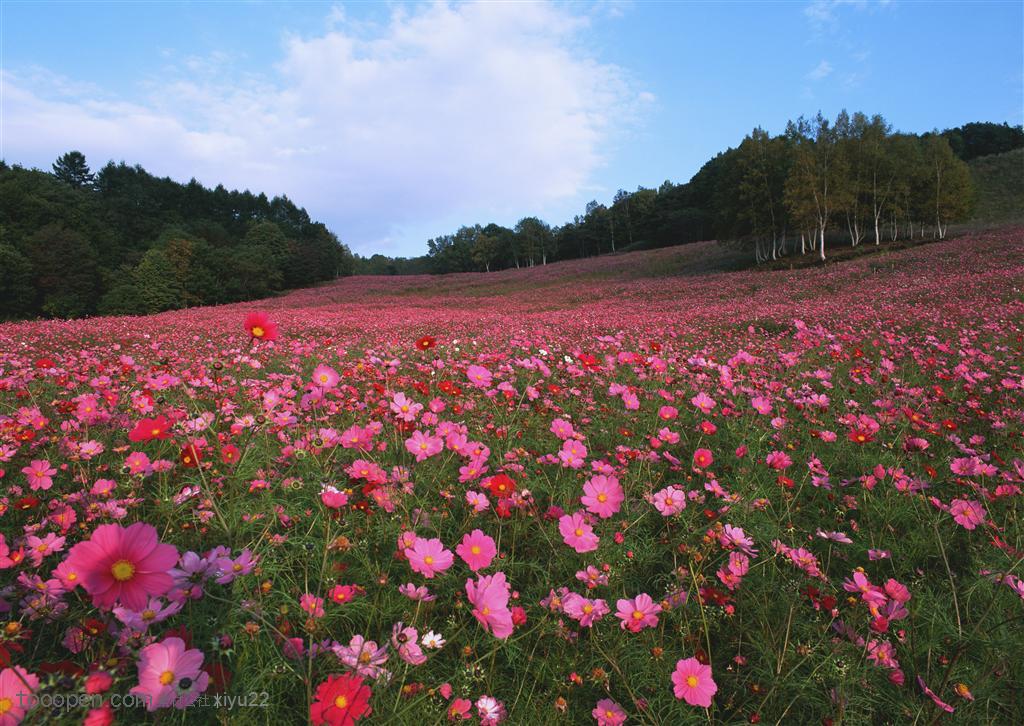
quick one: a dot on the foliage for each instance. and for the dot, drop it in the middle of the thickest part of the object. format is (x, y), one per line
(131, 243)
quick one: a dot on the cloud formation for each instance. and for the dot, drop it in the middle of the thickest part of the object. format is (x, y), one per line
(444, 110)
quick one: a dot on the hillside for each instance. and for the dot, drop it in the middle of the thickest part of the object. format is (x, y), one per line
(575, 482)
(999, 186)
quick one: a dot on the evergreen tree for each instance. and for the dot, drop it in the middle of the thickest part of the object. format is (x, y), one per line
(72, 169)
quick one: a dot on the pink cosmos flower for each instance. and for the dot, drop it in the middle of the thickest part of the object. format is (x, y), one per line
(477, 500)
(16, 688)
(332, 497)
(778, 460)
(489, 596)
(669, 501)
(703, 401)
(477, 550)
(572, 454)
(577, 533)
(603, 496)
(667, 413)
(562, 429)
(422, 446)
(692, 682)
(584, 610)
(38, 474)
(38, 548)
(312, 604)
(479, 376)
(325, 377)
(123, 564)
(639, 613)
(405, 640)
(428, 557)
(170, 675)
(404, 408)
(363, 656)
(968, 513)
(703, 458)
(762, 405)
(154, 612)
(608, 713)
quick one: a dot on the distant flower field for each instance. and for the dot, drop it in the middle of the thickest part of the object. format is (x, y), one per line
(594, 492)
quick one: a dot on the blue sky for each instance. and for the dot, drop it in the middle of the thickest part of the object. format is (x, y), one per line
(397, 122)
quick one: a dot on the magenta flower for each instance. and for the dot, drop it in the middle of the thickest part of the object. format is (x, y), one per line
(583, 610)
(123, 565)
(479, 376)
(670, 501)
(16, 688)
(968, 513)
(422, 446)
(428, 557)
(170, 675)
(489, 596)
(577, 533)
(639, 613)
(477, 550)
(603, 496)
(38, 474)
(608, 713)
(572, 454)
(692, 682)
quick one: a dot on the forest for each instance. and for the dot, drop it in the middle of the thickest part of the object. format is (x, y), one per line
(818, 184)
(122, 241)
(75, 243)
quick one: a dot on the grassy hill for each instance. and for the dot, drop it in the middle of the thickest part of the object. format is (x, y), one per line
(999, 182)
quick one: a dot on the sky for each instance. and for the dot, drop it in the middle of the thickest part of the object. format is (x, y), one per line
(397, 122)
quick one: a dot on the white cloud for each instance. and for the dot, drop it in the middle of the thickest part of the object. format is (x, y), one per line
(820, 71)
(477, 109)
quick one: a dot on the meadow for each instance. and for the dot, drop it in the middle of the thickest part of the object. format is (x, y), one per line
(607, 490)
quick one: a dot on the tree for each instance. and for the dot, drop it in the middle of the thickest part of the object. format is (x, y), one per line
(17, 296)
(72, 169)
(949, 183)
(64, 265)
(158, 287)
(535, 239)
(817, 175)
(485, 251)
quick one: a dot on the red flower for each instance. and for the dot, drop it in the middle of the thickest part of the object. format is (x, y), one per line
(426, 342)
(230, 454)
(501, 485)
(151, 428)
(340, 701)
(260, 326)
(190, 456)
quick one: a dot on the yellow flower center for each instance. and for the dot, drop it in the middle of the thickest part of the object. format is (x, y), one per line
(341, 702)
(691, 681)
(637, 615)
(475, 549)
(429, 560)
(148, 614)
(122, 570)
(588, 609)
(258, 332)
(236, 567)
(6, 705)
(166, 678)
(72, 576)
(485, 611)
(602, 497)
(578, 532)
(364, 657)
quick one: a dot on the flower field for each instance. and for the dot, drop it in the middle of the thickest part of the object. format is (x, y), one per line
(598, 491)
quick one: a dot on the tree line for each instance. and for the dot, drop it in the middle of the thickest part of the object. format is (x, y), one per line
(821, 182)
(122, 241)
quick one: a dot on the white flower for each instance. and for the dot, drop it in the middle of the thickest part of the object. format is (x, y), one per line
(432, 640)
